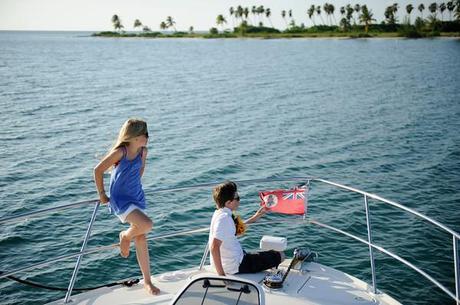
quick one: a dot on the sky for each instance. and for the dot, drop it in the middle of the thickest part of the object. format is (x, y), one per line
(95, 15)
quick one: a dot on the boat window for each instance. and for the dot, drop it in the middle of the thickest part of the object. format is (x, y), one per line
(207, 291)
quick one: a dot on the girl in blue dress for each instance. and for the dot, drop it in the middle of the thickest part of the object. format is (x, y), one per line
(127, 159)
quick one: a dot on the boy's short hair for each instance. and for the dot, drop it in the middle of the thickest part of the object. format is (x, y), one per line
(223, 193)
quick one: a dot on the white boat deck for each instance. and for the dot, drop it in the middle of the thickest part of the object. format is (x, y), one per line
(314, 284)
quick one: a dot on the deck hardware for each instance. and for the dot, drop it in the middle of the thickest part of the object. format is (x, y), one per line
(300, 288)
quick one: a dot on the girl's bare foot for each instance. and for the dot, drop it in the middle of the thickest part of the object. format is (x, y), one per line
(124, 244)
(151, 289)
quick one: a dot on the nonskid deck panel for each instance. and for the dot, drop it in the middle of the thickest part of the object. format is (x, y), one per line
(314, 284)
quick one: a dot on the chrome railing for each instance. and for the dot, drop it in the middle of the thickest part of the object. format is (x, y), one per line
(83, 251)
(455, 236)
(38, 213)
(369, 239)
(83, 247)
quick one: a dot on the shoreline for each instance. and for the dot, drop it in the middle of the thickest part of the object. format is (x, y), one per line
(326, 35)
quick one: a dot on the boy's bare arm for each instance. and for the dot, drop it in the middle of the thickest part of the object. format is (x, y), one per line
(260, 212)
(215, 251)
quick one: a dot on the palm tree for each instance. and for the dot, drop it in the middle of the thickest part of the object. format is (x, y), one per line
(450, 8)
(357, 9)
(115, 19)
(433, 8)
(344, 24)
(246, 13)
(137, 23)
(239, 13)
(170, 23)
(349, 11)
(311, 14)
(268, 13)
(236, 16)
(191, 29)
(117, 22)
(387, 14)
(366, 17)
(457, 11)
(326, 10)
(395, 10)
(232, 12)
(260, 11)
(163, 25)
(220, 20)
(254, 12)
(146, 29)
(283, 14)
(290, 17)
(318, 12)
(332, 10)
(119, 26)
(390, 15)
(421, 8)
(409, 9)
(342, 11)
(442, 8)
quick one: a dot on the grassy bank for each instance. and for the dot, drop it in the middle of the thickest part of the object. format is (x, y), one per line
(264, 35)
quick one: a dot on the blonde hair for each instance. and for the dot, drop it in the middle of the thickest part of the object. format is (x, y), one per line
(131, 128)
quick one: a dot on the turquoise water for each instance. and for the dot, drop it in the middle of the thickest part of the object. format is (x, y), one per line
(381, 115)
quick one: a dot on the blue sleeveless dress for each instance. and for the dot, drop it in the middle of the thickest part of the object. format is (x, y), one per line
(125, 184)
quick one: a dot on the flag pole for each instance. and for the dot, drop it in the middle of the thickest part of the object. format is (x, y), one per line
(307, 188)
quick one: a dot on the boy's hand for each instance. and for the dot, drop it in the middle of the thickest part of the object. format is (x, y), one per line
(103, 198)
(261, 212)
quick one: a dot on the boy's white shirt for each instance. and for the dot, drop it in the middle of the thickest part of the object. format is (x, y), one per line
(223, 228)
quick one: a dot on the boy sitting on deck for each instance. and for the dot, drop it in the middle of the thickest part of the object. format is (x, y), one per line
(227, 255)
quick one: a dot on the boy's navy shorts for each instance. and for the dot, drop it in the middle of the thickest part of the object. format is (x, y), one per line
(259, 261)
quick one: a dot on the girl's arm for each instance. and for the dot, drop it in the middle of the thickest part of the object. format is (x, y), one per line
(144, 159)
(99, 170)
(260, 212)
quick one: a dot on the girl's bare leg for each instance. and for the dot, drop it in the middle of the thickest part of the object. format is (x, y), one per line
(140, 225)
(124, 244)
(142, 253)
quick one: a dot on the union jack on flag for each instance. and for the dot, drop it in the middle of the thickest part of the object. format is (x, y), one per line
(294, 195)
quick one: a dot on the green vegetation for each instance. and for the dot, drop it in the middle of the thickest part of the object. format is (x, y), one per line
(356, 21)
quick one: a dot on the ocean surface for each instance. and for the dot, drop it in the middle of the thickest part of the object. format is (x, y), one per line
(381, 115)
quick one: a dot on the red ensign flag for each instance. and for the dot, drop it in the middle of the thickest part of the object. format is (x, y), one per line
(292, 201)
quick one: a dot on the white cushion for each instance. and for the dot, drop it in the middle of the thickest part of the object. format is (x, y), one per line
(273, 243)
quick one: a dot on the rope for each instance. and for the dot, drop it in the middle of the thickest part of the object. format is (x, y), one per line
(127, 283)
